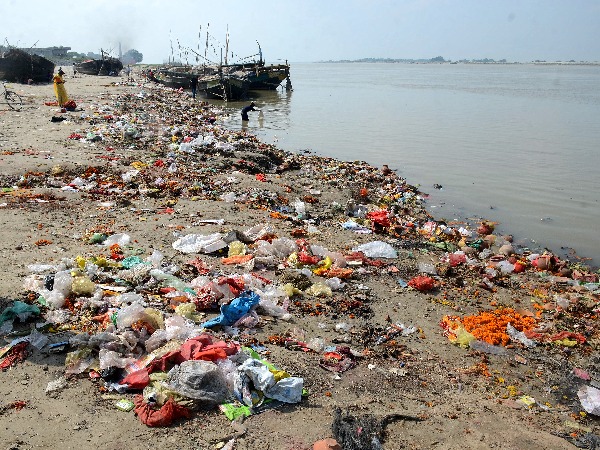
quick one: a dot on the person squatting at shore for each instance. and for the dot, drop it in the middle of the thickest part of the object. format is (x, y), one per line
(246, 110)
(59, 88)
(194, 85)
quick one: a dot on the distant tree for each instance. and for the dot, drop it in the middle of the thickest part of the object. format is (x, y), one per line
(437, 59)
(132, 56)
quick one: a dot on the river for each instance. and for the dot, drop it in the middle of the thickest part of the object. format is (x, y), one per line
(516, 144)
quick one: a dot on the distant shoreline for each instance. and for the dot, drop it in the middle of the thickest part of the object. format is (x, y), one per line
(505, 63)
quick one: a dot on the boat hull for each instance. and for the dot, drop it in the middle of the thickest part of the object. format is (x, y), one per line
(101, 67)
(18, 66)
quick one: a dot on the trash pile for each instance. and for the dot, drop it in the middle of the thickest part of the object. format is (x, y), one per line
(184, 332)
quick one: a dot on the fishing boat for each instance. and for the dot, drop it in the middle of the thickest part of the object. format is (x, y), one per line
(107, 65)
(263, 77)
(225, 81)
(175, 77)
(214, 81)
(18, 66)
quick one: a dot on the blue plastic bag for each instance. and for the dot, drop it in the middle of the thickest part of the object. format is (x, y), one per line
(233, 311)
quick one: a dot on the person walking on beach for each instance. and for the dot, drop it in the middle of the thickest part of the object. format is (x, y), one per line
(194, 84)
(246, 110)
(59, 88)
(74, 71)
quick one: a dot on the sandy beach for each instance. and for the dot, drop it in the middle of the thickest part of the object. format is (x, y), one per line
(150, 163)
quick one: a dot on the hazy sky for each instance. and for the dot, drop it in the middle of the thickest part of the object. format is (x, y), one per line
(313, 30)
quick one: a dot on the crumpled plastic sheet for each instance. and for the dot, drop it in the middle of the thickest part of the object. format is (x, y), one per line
(198, 243)
(377, 249)
(255, 374)
(232, 312)
(199, 380)
(590, 399)
(19, 310)
(162, 417)
(198, 348)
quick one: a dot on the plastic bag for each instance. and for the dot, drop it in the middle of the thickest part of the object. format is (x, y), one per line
(519, 336)
(257, 232)
(200, 380)
(319, 290)
(377, 249)
(129, 315)
(198, 243)
(590, 399)
(482, 346)
(109, 359)
(232, 312)
(20, 310)
(57, 385)
(422, 283)
(37, 339)
(120, 239)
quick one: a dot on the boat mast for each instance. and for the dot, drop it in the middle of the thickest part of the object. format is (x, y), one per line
(226, 44)
(260, 60)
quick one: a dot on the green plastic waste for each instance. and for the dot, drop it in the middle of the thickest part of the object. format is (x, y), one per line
(19, 309)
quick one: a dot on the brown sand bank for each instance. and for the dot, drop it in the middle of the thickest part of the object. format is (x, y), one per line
(117, 165)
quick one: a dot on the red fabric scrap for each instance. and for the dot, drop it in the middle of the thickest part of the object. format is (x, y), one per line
(199, 347)
(261, 177)
(568, 335)
(162, 417)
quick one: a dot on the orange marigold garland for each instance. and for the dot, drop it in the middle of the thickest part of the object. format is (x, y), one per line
(490, 326)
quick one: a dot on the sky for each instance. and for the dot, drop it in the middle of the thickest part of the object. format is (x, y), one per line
(312, 30)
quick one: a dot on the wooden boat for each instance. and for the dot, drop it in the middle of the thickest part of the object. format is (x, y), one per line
(105, 66)
(263, 77)
(227, 81)
(174, 77)
(18, 66)
(213, 81)
(225, 86)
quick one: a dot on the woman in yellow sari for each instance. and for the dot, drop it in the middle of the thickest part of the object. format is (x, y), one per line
(59, 88)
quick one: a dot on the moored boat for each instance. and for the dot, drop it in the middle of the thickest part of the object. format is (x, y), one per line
(18, 66)
(104, 66)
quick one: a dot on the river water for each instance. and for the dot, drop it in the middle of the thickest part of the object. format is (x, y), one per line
(516, 144)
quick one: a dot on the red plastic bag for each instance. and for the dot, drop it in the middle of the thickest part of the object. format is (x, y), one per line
(137, 380)
(162, 417)
(422, 283)
(16, 354)
(380, 218)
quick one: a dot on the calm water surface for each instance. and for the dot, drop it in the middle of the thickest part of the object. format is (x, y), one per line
(517, 144)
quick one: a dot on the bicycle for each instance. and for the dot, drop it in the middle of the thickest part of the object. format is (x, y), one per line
(12, 99)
